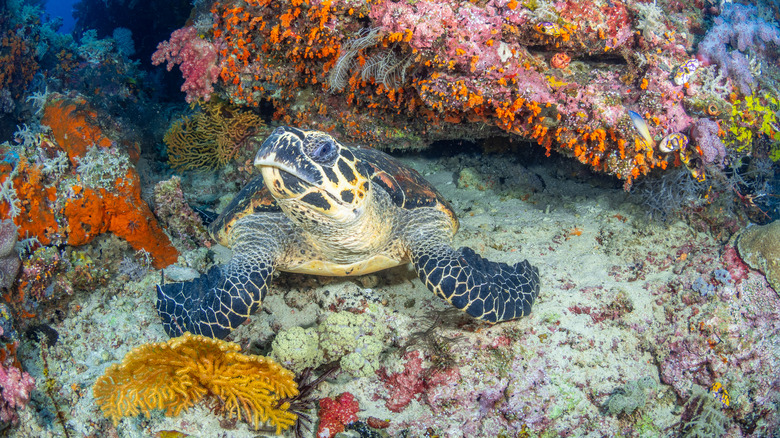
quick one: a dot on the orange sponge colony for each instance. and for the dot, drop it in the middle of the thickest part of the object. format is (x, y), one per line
(70, 128)
(75, 206)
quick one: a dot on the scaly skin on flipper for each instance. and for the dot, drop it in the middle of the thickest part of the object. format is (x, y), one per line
(490, 291)
(218, 302)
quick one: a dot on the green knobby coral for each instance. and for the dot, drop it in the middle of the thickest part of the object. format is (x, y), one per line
(297, 349)
(364, 361)
(355, 340)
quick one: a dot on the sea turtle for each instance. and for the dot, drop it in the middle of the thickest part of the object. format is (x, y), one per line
(320, 207)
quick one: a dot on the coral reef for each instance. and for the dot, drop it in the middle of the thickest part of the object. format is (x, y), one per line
(175, 375)
(81, 123)
(336, 413)
(400, 75)
(759, 247)
(101, 192)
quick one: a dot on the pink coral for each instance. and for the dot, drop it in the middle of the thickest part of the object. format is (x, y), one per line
(427, 20)
(414, 381)
(336, 413)
(705, 134)
(197, 59)
(734, 264)
(16, 386)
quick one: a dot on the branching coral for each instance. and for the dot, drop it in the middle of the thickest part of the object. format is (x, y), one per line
(175, 375)
(211, 137)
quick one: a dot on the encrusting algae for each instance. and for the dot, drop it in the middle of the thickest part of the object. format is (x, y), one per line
(176, 374)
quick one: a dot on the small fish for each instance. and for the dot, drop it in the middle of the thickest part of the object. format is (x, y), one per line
(550, 29)
(641, 127)
(686, 71)
(673, 142)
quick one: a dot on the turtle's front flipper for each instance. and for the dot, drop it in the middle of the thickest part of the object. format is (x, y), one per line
(216, 303)
(486, 290)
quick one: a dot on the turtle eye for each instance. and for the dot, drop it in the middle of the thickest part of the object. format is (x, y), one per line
(324, 151)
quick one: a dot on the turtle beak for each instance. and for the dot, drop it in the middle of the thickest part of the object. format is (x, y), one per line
(280, 148)
(267, 153)
(280, 158)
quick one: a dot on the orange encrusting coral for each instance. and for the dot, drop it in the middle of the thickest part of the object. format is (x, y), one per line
(124, 213)
(71, 129)
(86, 212)
(36, 218)
(18, 63)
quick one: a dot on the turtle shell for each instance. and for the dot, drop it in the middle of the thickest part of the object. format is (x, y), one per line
(405, 186)
(254, 198)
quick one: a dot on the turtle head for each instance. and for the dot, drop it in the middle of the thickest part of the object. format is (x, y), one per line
(313, 171)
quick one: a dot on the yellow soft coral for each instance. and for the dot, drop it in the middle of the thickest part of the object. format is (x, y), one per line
(210, 138)
(174, 375)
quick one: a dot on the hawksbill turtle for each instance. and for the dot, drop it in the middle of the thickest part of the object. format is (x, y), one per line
(324, 208)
